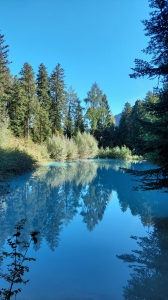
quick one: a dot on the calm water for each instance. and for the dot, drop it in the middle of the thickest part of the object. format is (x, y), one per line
(99, 239)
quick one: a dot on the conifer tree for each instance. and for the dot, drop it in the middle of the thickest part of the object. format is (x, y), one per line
(58, 100)
(5, 77)
(137, 131)
(105, 126)
(28, 86)
(41, 129)
(43, 87)
(157, 29)
(124, 129)
(42, 124)
(79, 123)
(16, 108)
(70, 104)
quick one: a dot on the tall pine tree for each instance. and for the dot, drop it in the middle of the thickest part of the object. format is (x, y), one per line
(28, 85)
(42, 124)
(157, 29)
(5, 77)
(58, 100)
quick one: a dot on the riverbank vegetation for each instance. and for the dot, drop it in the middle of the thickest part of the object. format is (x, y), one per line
(51, 119)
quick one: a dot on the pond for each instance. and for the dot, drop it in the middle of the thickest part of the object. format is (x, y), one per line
(99, 238)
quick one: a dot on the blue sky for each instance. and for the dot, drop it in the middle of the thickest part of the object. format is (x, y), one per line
(93, 40)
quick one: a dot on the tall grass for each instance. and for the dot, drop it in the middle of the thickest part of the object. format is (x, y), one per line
(17, 155)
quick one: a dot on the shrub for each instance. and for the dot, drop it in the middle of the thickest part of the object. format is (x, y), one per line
(72, 149)
(57, 148)
(87, 145)
(117, 152)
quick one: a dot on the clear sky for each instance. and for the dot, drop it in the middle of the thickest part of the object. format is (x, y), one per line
(93, 40)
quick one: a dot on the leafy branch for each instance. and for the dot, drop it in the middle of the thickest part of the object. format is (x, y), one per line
(16, 269)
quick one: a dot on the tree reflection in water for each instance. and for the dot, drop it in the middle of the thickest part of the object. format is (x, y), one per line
(149, 281)
(52, 196)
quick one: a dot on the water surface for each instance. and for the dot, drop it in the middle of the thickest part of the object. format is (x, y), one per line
(90, 220)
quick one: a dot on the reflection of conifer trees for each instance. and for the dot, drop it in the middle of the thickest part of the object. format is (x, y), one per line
(54, 218)
(71, 202)
(95, 199)
(51, 197)
(150, 265)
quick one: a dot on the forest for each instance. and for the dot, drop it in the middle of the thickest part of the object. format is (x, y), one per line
(39, 108)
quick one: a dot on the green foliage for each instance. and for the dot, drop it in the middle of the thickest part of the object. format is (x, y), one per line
(58, 100)
(5, 133)
(16, 268)
(72, 149)
(57, 148)
(17, 108)
(87, 145)
(5, 77)
(79, 125)
(98, 112)
(156, 29)
(117, 152)
(41, 124)
(14, 162)
(28, 86)
(125, 126)
(61, 148)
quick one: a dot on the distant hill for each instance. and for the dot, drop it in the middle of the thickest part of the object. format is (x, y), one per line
(117, 119)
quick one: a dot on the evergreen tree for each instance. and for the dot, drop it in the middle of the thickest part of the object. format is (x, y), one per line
(137, 131)
(157, 29)
(42, 124)
(16, 108)
(5, 77)
(105, 127)
(43, 87)
(28, 86)
(71, 103)
(58, 100)
(125, 126)
(79, 124)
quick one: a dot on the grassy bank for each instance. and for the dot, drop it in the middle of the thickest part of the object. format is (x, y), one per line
(18, 156)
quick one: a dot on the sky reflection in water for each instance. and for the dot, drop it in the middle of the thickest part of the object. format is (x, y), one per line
(86, 212)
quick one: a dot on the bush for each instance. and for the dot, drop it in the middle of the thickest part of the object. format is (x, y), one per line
(87, 145)
(72, 149)
(57, 148)
(117, 152)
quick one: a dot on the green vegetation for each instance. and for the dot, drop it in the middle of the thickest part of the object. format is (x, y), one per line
(15, 267)
(17, 155)
(118, 152)
(44, 111)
